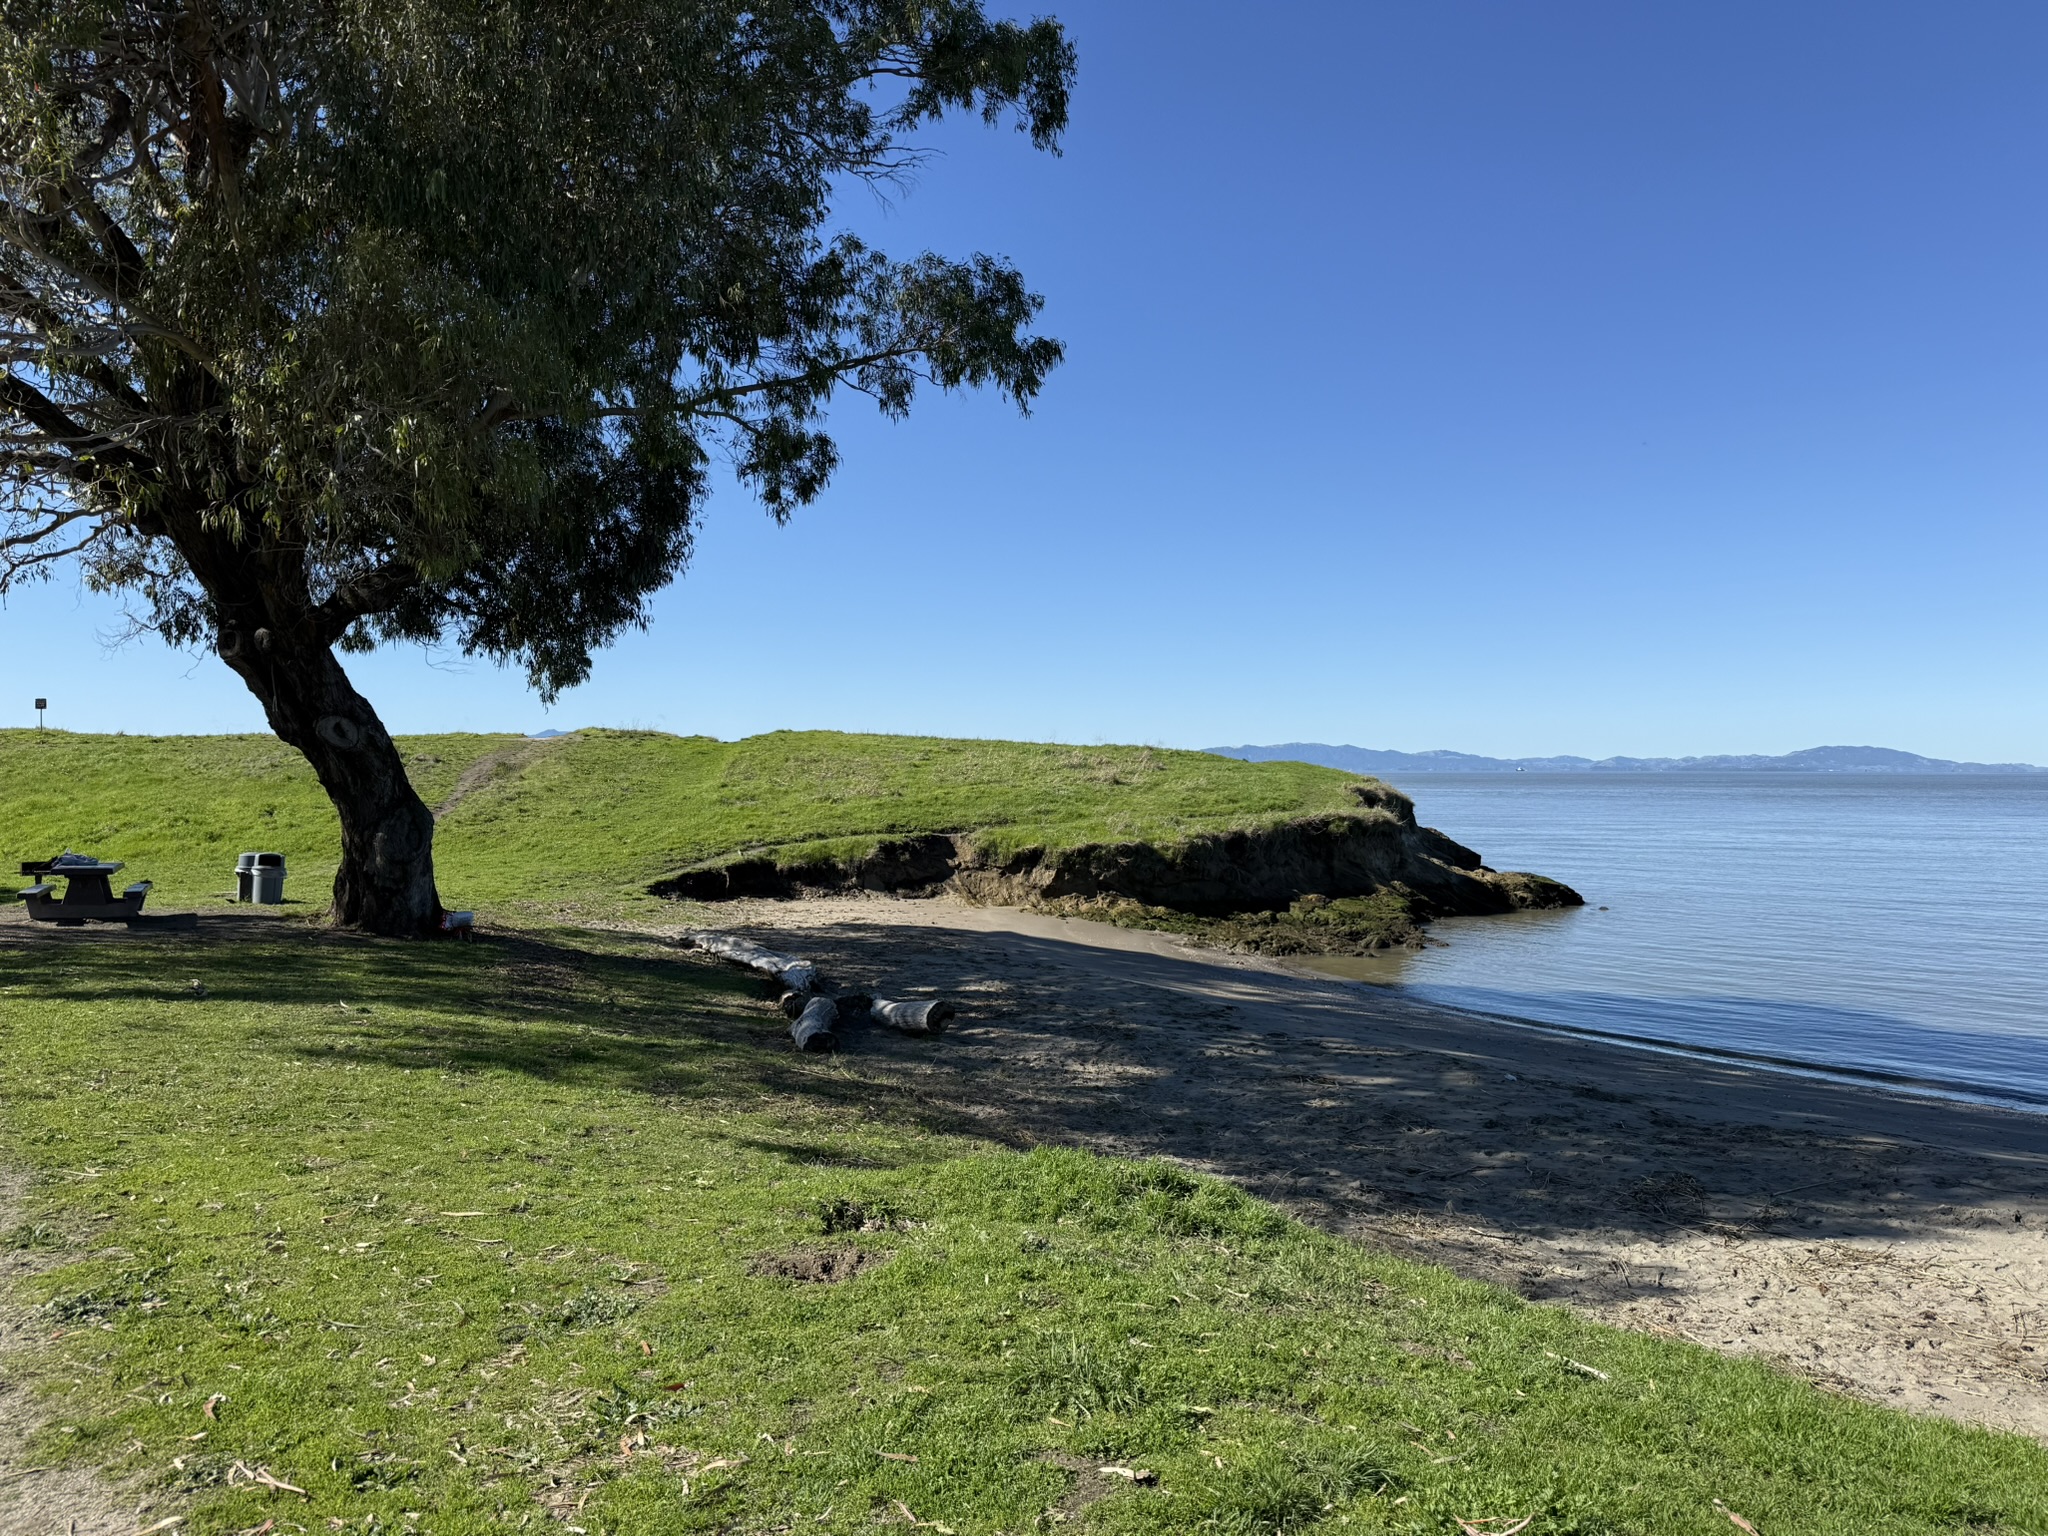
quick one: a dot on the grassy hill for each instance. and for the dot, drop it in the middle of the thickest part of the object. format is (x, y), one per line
(595, 816)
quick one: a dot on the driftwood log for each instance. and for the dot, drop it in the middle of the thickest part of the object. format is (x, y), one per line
(816, 1027)
(797, 975)
(922, 1018)
(815, 1015)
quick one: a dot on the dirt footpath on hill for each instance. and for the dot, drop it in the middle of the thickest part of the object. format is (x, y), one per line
(1881, 1245)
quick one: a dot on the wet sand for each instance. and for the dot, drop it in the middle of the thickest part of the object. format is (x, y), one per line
(1883, 1245)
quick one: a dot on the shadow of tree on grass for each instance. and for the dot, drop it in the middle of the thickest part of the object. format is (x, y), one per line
(1333, 1117)
(591, 1009)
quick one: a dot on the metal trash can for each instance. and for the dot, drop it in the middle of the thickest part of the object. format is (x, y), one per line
(259, 878)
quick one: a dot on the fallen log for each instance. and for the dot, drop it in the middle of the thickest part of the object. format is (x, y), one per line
(814, 1015)
(797, 975)
(922, 1018)
(815, 1028)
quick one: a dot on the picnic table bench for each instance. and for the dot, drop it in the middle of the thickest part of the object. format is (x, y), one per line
(88, 893)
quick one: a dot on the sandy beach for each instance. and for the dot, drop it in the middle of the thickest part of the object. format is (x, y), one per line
(1880, 1244)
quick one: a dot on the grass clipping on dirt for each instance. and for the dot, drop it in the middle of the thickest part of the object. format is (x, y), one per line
(550, 1231)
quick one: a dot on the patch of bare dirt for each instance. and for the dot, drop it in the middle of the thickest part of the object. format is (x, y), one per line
(817, 1266)
(1888, 1246)
(1090, 1485)
(37, 1499)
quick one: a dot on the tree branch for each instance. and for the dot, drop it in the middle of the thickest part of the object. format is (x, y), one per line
(13, 566)
(120, 117)
(375, 591)
(129, 267)
(716, 397)
(17, 229)
(46, 416)
(36, 464)
(59, 517)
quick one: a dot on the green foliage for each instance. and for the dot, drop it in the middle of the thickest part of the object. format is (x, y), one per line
(375, 319)
(443, 1226)
(588, 821)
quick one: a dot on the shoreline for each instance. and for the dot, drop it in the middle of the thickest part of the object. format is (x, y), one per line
(1878, 1242)
(1897, 1091)
(1869, 1079)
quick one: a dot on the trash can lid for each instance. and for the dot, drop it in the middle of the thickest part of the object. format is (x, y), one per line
(260, 861)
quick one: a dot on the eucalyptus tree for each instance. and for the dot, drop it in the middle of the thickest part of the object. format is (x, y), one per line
(334, 323)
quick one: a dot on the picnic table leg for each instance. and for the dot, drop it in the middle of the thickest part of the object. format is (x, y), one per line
(88, 891)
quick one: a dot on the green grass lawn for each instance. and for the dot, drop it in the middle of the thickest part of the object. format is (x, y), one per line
(586, 822)
(478, 1237)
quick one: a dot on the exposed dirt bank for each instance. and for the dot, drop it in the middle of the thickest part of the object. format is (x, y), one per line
(1379, 848)
(1881, 1245)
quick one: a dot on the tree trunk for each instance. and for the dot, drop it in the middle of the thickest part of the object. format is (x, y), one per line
(386, 881)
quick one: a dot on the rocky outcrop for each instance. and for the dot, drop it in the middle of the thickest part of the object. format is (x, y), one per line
(1378, 847)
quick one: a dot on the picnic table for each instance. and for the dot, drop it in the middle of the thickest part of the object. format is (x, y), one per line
(88, 891)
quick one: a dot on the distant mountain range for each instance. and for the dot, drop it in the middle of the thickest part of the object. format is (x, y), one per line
(1812, 760)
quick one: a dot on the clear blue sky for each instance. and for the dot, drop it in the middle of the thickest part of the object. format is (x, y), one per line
(1574, 377)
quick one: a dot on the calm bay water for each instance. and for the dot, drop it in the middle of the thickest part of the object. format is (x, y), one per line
(1894, 927)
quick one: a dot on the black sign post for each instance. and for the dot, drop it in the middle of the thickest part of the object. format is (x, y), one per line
(41, 705)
